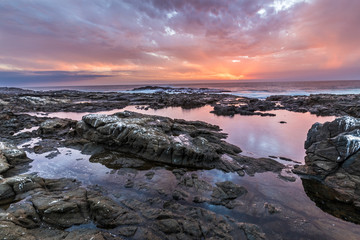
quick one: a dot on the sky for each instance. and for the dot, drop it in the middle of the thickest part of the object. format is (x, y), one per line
(80, 42)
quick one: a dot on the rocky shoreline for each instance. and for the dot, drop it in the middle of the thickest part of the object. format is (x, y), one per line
(34, 207)
(224, 104)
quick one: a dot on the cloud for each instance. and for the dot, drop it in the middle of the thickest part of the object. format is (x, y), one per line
(195, 39)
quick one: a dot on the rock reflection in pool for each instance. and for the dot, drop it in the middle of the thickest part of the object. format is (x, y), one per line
(325, 198)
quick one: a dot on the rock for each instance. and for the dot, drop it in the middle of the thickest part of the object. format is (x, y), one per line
(231, 189)
(271, 208)
(258, 165)
(11, 152)
(169, 226)
(54, 125)
(4, 165)
(333, 155)
(6, 193)
(149, 175)
(160, 139)
(11, 231)
(129, 183)
(287, 177)
(127, 231)
(252, 231)
(225, 193)
(117, 160)
(23, 214)
(71, 209)
(320, 104)
(108, 214)
(179, 195)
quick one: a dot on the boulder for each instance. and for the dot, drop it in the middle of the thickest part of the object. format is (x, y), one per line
(333, 157)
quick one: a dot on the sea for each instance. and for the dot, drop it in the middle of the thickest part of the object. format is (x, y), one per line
(259, 90)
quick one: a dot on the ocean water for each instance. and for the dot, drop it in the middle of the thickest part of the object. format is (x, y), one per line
(248, 89)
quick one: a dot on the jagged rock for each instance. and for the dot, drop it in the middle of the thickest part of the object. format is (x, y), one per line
(333, 155)
(22, 214)
(160, 139)
(108, 214)
(65, 211)
(225, 192)
(54, 125)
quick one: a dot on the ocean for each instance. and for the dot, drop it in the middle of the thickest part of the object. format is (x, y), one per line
(247, 89)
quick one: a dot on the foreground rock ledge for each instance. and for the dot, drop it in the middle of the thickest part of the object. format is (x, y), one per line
(46, 208)
(333, 157)
(160, 139)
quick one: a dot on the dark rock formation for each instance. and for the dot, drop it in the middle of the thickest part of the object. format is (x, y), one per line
(244, 106)
(321, 104)
(225, 192)
(160, 139)
(333, 156)
(49, 207)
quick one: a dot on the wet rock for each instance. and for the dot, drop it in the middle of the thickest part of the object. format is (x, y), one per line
(54, 125)
(169, 226)
(11, 231)
(333, 155)
(331, 201)
(24, 183)
(129, 183)
(108, 214)
(199, 199)
(194, 182)
(252, 231)
(6, 193)
(117, 160)
(287, 177)
(149, 175)
(83, 234)
(71, 209)
(159, 139)
(271, 208)
(179, 173)
(321, 104)
(127, 231)
(22, 214)
(4, 165)
(179, 195)
(225, 192)
(258, 165)
(11, 152)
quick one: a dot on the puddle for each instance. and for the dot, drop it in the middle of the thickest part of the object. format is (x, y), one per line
(26, 130)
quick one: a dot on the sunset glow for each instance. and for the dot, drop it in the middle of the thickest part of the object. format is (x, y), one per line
(132, 41)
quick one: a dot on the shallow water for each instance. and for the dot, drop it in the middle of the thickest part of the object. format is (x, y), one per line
(259, 136)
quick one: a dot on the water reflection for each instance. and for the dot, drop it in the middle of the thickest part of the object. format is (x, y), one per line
(325, 198)
(257, 136)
